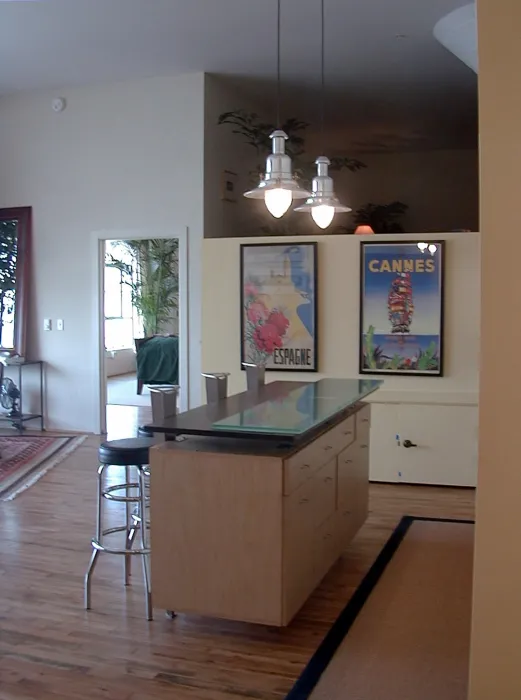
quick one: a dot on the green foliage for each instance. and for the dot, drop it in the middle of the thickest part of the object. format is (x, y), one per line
(8, 256)
(372, 353)
(427, 359)
(383, 218)
(155, 287)
(256, 134)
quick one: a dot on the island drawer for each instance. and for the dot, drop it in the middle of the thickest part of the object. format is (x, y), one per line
(303, 464)
(310, 505)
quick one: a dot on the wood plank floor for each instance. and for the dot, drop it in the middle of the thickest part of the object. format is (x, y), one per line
(51, 648)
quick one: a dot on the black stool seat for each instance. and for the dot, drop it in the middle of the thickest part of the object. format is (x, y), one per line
(143, 431)
(131, 451)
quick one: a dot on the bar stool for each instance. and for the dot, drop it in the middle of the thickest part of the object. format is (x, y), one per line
(128, 453)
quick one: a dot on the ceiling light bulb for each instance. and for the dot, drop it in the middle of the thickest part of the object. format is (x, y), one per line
(278, 201)
(432, 249)
(422, 246)
(323, 215)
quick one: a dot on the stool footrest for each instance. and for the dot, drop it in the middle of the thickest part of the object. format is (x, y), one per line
(126, 552)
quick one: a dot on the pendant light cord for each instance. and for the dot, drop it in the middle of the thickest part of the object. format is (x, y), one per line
(323, 78)
(278, 65)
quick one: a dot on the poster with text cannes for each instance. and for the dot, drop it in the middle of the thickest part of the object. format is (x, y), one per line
(401, 308)
(279, 306)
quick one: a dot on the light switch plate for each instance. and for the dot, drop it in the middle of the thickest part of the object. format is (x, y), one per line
(59, 324)
(47, 324)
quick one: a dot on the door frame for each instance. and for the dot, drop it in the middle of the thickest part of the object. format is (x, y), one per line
(99, 238)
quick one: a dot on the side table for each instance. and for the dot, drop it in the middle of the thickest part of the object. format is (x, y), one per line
(18, 421)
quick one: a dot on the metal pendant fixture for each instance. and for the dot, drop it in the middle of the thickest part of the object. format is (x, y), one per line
(323, 203)
(278, 188)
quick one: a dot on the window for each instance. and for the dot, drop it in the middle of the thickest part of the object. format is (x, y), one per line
(122, 324)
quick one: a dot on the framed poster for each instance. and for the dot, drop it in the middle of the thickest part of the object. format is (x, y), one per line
(401, 308)
(279, 306)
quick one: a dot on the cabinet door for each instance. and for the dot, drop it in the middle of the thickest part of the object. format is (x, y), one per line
(446, 438)
(447, 445)
(353, 490)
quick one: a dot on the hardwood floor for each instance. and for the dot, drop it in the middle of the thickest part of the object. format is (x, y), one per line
(124, 421)
(51, 648)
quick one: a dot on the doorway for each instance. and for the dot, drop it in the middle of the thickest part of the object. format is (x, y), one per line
(142, 324)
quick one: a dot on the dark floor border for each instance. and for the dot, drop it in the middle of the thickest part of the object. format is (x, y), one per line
(318, 663)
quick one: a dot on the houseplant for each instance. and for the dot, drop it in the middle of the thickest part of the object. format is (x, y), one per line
(382, 218)
(256, 133)
(153, 278)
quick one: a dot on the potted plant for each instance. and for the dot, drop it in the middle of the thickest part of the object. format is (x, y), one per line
(153, 279)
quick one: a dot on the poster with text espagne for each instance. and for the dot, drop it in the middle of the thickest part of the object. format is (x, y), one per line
(279, 306)
(401, 308)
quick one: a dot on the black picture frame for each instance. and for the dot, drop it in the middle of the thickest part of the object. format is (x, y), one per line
(301, 360)
(422, 362)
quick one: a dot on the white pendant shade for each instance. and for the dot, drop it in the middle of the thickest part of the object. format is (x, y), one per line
(323, 204)
(278, 188)
(278, 201)
(323, 215)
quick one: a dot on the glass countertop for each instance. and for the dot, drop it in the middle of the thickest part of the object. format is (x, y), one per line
(300, 409)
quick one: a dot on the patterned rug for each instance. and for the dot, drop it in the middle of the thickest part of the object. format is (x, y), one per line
(26, 458)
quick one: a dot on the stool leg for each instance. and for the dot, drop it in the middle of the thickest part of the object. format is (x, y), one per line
(144, 542)
(130, 528)
(99, 537)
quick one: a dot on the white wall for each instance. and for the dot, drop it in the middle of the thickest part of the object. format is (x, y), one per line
(338, 323)
(120, 362)
(338, 300)
(127, 156)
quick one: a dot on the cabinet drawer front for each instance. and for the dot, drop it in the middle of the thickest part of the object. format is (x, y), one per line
(302, 465)
(363, 424)
(309, 506)
(353, 476)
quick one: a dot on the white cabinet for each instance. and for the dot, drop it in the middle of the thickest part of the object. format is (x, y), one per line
(446, 439)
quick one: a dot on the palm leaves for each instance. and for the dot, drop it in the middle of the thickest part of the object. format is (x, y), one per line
(153, 279)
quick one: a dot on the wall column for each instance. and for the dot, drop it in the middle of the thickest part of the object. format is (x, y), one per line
(496, 623)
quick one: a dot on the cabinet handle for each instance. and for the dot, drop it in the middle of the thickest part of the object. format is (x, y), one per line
(364, 447)
(328, 447)
(305, 466)
(408, 443)
(365, 420)
(304, 500)
(348, 461)
(348, 432)
(328, 478)
(327, 536)
(346, 512)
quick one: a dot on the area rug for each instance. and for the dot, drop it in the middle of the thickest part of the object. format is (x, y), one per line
(26, 458)
(405, 633)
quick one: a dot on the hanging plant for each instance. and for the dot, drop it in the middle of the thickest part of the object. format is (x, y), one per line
(256, 133)
(382, 218)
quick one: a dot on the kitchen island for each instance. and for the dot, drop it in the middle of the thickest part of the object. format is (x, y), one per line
(259, 498)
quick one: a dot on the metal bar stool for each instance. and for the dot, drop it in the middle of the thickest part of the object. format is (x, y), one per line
(129, 453)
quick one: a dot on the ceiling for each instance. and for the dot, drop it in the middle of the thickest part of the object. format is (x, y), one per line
(391, 85)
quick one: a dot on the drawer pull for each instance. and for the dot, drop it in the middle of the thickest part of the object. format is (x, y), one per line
(328, 447)
(304, 500)
(348, 461)
(328, 478)
(304, 466)
(365, 420)
(327, 536)
(346, 512)
(348, 432)
(364, 447)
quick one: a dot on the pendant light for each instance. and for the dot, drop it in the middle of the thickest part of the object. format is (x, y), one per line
(323, 203)
(278, 188)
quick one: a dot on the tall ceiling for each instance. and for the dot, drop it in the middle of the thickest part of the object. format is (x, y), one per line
(390, 84)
